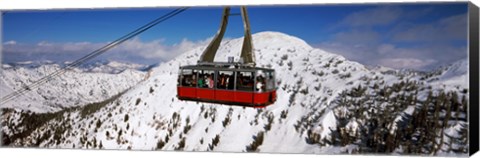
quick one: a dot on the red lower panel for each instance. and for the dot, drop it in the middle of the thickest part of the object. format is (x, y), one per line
(203, 93)
(274, 96)
(224, 95)
(243, 97)
(261, 98)
(189, 92)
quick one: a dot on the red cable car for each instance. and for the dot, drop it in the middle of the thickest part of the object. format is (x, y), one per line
(234, 83)
(227, 85)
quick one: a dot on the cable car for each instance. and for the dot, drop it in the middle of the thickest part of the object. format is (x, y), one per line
(227, 84)
(234, 83)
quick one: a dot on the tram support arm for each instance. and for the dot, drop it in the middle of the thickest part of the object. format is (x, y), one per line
(247, 55)
(247, 48)
(209, 53)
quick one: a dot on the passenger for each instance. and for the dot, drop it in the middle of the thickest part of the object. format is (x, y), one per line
(249, 81)
(206, 81)
(264, 82)
(182, 80)
(262, 79)
(186, 81)
(205, 84)
(231, 82)
(227, 78)
(240, 79)
(210, 81)
(221, 81)
(194, 80)
(201, 82)
(259, 85)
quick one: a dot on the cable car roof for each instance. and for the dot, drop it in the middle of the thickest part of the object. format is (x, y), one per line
(224, 67)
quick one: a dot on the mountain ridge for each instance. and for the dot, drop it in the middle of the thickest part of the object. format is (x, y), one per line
(76, 87)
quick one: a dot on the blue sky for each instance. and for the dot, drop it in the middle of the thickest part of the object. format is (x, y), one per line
(418, 36)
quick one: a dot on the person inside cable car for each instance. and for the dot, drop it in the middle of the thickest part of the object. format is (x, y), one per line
(221, 81)
(226, 77)
(230, 82)
(249, 81)
(224, 80)
(260, 87)
(209, 81)
(201, 81)
(246, 81)
(240, 79)
(194, 80)
(206, 81)
(186, 80)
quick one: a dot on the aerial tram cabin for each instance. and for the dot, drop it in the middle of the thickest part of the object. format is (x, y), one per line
(248, 86)
(234, 83)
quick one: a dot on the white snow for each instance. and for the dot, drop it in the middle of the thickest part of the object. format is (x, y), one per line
(453, 77)
(74, 88)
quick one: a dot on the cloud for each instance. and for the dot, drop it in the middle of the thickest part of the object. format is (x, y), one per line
(447, 29)
(10, 43)
(357, 37)
(424, 57)
(406, 63)
(373, 17)
(44, 43)
(133, 50)
(157, 50)
(399, 38)
(385, 49)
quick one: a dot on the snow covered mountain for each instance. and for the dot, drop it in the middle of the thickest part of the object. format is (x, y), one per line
(76, 87)
(325, 104)
(103, 66)
(112, 67)
(453, 76)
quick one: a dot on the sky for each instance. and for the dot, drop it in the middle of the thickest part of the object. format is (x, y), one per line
(420, 36)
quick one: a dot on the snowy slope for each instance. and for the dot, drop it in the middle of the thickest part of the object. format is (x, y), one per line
(310, 82)
(74, 88)
(454, 76)
(112, 67)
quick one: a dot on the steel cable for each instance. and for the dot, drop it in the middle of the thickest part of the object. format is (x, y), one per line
(91, 55)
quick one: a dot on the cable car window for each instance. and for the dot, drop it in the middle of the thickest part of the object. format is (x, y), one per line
(225, 80)
(187, 78)
(245, 81)
(206, 79)
(270, 80)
